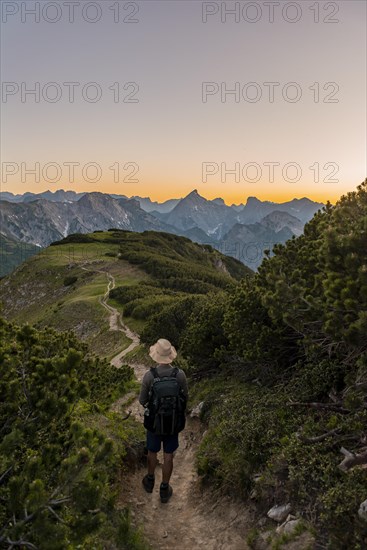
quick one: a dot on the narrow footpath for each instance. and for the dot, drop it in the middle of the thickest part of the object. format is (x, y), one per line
(193, 518)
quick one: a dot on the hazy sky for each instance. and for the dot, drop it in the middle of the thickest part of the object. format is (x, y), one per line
(165, 117)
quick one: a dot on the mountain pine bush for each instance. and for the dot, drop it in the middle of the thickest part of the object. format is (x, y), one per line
(290, 391)
(56, 464)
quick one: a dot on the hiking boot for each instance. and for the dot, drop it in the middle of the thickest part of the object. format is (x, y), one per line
(148, 482)
(165, 492)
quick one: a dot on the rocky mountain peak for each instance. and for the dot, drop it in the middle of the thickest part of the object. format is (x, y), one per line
(95, 197)
(219, 201)
(278, 220)
(252, 201)
(193, 195)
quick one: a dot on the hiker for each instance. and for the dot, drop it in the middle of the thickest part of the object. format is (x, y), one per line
(164, 395)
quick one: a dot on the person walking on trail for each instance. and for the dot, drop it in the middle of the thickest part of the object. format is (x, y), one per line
(164, 395)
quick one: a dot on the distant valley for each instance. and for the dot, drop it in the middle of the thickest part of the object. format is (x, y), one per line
(31, 222)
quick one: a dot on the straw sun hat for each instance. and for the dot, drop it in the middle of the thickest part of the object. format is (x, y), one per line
(162, 351)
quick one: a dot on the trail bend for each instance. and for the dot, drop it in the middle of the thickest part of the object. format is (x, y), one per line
(193, 518)
(115, 318)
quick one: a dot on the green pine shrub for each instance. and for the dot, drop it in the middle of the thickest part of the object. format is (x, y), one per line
(60, 447)
(290, 387)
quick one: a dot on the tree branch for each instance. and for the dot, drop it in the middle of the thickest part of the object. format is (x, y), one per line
(59, 501)
(3, 476)
(127, 416)
(352, 459)
(318, 438)
(23, 543)
(50, 509)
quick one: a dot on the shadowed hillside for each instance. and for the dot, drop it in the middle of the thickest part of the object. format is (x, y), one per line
(13, 253)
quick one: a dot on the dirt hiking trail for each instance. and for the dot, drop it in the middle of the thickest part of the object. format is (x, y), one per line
(116, 323)
(193, 518)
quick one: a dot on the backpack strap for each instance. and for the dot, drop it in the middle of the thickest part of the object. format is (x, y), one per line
(154, 372)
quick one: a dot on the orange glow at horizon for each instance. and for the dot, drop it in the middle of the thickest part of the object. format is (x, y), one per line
(169, 137)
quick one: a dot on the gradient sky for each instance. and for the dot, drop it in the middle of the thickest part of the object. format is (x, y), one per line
(169, 133)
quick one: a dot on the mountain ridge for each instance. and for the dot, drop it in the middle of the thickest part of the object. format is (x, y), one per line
(41, 221)
(38, 221)
(146, 202)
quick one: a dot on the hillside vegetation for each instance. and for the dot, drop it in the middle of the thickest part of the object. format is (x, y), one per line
(61, 445)
(181, 274)
(61, 448)
(61, 287)
(279, 359)
(281, 366)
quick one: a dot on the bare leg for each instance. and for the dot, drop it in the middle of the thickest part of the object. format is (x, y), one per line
(167, 467)
(152, 462)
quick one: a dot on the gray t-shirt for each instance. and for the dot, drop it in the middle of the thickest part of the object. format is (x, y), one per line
(162, 370)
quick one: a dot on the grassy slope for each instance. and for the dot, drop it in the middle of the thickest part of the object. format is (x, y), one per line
(36, 293)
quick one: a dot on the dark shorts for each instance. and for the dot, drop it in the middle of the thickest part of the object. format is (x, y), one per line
(170, 442)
